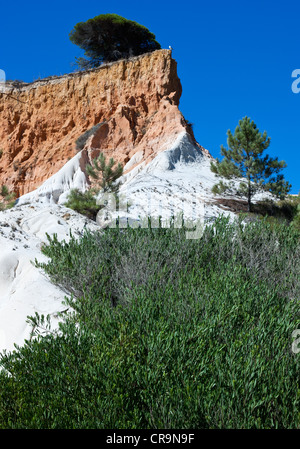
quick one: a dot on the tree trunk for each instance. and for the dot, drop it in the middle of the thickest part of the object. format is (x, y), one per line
(249, 197)
(249, 204)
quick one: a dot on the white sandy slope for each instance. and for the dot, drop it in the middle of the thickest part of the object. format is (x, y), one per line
(177, 180)
(55, 189)
(24, 289)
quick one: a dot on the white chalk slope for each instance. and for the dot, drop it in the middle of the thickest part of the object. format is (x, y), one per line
(178, 179)
(24, 289)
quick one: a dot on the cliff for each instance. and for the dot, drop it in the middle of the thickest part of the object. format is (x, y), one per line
(135, 102)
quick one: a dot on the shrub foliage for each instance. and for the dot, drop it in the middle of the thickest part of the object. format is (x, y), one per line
(81, 141)
(165, 332)
(106, 176)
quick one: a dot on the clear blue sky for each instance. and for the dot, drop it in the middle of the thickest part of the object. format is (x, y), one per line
(235, 58)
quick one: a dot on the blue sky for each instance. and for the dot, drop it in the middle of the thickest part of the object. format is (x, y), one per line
(235, 58)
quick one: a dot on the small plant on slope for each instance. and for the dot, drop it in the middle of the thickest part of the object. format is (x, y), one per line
(105, 174)
(86, 202)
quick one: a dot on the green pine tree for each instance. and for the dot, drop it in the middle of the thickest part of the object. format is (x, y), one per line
(110, 37)
(244, 159)
(105, 174)
(7, 198)
(86, 203)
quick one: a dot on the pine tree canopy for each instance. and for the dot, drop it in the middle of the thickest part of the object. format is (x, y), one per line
(110, 37)
(244, 159)
(105, 173)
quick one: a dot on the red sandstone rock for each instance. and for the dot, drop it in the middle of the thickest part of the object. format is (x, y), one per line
(136, 101)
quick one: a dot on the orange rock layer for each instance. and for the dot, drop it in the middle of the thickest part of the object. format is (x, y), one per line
(136, 101)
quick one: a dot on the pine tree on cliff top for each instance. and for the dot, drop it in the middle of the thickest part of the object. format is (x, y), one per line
(109, 37)
(244, 159)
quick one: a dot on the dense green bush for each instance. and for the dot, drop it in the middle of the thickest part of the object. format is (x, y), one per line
(105, 173)
(83, 202)
(81, 141)
(7, 198)
(245, 159)
(283, 210)
(166, 332)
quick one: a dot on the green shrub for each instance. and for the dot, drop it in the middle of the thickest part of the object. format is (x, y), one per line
(218, 189)
(4, 191)
(84, 203)
(8, 200)
(166, 332)
(106, 176)
(110, 37)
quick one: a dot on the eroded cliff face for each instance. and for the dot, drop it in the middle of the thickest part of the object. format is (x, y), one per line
(135, 101)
